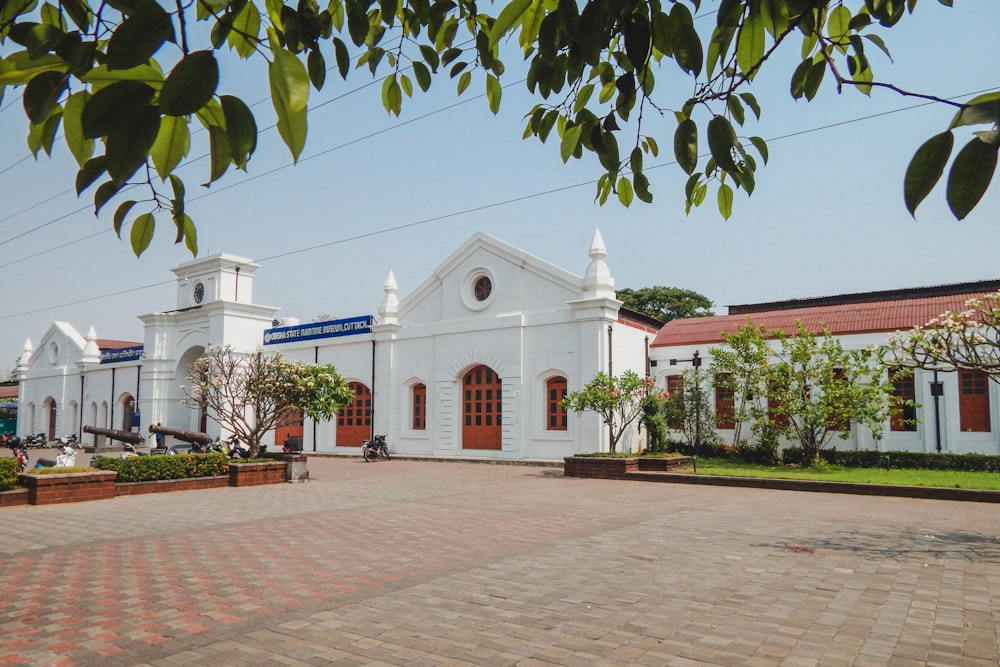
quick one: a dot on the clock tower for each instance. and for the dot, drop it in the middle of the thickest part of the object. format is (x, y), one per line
(217, 278)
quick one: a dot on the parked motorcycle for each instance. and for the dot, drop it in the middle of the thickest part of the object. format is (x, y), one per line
(236, 448)
(71, 440)
(375, 448)
(22, 457)
(36, 440)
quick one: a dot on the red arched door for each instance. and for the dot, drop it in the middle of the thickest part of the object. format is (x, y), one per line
(354, 423)
(289, 426)
(52, 420)
(481, 401)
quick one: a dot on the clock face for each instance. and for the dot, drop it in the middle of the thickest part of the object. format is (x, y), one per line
(199, 292)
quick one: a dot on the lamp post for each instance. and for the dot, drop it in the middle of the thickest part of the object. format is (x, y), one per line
(937, 391)
(695, 362)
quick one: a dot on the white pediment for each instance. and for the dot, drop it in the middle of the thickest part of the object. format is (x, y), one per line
(61, 345)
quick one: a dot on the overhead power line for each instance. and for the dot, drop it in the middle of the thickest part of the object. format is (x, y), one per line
(445, 216)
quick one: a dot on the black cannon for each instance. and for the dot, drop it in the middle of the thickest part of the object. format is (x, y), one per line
(194, 437)
(123, 436)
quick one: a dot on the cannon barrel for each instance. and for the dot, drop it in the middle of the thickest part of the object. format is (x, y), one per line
(182, 434)
(124, 436)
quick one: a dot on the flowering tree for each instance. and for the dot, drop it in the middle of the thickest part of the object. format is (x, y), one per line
(969, 339)
(619, 401)
(247, 393)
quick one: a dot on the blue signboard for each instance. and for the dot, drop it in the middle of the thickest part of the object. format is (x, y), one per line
(314, 330)
(133, 353)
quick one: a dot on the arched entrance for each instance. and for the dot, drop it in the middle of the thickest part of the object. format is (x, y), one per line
(481, 409)
(127, 412)
(50, 409)
(354, 423)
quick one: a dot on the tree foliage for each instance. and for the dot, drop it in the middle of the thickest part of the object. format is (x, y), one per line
(248, 393)
(810, 389)
(666, 303)
(690, 409)
(618, 401)
(967, 339)
(126, 80)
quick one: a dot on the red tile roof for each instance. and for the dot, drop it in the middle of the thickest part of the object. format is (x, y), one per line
(855, 318)
(109, 344)
(8, 391)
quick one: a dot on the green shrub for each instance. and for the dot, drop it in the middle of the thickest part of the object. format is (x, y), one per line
(8, 473)
(656, 425)
(178, 466)
(867, 458)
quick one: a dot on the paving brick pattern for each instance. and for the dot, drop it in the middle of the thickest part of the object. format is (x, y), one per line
(428, 563)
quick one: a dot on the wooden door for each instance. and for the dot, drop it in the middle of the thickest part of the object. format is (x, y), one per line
(481, 409)
(354, 423)
(973, 401)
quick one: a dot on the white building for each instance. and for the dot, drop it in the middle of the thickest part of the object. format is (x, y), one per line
(473, 362)
(958, 412)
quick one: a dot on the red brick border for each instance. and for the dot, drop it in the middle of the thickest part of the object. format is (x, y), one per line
(167, 485)
(69, 487)
(255, 474)
(14, 497)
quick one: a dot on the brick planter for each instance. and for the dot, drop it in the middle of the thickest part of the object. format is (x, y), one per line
(69, 488)
(13, 497)
(662, 463)
(166, 485)
(600, 467)
(255, 474)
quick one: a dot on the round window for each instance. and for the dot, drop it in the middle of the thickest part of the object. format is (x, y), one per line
(482, 288)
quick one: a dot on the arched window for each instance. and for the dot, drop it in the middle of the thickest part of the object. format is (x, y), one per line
(555, 413)
(419, 407)
(354, 422)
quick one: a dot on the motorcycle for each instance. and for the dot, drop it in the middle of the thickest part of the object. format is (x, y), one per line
(39, 440)
(235, 448)
(70, 440)
(66, 457)
(22, 457)
(373, 449)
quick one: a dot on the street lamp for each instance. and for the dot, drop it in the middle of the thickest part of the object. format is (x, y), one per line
(695, 362)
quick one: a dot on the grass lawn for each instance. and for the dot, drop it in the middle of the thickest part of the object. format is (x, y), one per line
(952, 479)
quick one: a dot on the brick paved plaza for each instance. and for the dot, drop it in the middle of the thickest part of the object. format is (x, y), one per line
(430, 563)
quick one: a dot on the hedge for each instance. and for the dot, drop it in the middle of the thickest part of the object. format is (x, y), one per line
(867, 458)
(168, 466)
(8, 473)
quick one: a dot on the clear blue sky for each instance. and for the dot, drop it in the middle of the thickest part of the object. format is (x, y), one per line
(380, 194)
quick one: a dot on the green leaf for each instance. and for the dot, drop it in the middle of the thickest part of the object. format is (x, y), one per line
(688, 53)
(625, 193)
(220, 152)
(406, 84)
(19, 68)
(838, 23)
(641, 185)
(725, 196)
(241, 127)
(686, 145)
(42, 94)
(90, 172)
(142, 232)
(108, 107)
(751, 102)
(173, 141)
(317, 68)
(980, 109)
(970, 176)
(186, 227)
(761, 147)
(509, 15)
(750, 43)
(101, 76)
(925, 169)
(464, 81)
(105, 191)
(422, 75)
(138, 38)
(721, 139)
(493, 92)
(245, 32)
(190, 84)
(570, 139)
(343, 57)
(392, 96)
(290, 95)
(129, 144)
(120, 214)
(80, 146)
